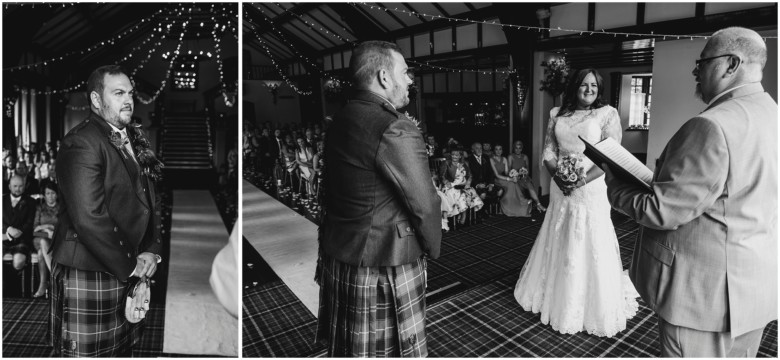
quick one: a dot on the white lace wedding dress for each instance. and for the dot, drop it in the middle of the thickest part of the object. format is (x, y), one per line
(574, 275)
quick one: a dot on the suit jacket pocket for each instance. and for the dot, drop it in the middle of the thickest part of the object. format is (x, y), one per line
(661, 252)
(404, 229)
(71, 235)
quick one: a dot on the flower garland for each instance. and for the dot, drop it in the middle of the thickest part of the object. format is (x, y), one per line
(150, 165)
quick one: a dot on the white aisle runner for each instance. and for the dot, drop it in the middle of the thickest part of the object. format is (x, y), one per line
(286, 240)
(195, 321)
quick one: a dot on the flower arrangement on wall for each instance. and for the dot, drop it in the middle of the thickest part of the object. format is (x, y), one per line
(556, 73)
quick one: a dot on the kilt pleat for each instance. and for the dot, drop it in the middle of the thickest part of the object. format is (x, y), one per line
(372, 311)
(87, 314)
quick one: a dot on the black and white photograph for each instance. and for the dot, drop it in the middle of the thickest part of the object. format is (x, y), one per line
(120, 179)
(415, 179)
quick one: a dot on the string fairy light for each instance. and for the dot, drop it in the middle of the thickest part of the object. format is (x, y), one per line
(287, 42)
(539, 28)
(170, 66)
(92, 48)
(276, 65)
(484, 72)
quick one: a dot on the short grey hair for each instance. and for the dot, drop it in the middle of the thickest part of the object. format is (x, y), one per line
(742, 41)
(370, 57)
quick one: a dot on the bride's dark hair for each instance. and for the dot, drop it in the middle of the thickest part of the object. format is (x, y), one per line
(570, 95)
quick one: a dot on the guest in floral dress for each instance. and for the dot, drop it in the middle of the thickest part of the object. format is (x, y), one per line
(456, 177)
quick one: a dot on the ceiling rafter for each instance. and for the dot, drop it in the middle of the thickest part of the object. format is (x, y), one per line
(392, 15)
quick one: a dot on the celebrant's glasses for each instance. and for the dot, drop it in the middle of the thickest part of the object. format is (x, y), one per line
(700, 61)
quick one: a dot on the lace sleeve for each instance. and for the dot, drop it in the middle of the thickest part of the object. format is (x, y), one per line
(611, 126)
(550, 151)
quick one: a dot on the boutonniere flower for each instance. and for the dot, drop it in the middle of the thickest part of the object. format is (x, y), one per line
(147, 160)
(413, 120)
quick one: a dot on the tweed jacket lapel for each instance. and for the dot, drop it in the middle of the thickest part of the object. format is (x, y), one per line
(130, 165)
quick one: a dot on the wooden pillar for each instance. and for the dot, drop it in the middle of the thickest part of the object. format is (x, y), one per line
(48, 117)
(24, 118)
(33, 116)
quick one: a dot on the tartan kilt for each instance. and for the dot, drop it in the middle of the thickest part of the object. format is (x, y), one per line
(372, 311)
(87, 314)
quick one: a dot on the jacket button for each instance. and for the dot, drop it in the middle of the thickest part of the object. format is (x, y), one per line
(116, 229)
(158, 240)
(412, 339)
(146, 211)
(75, 235)
(128, 255)
(408, 229)
(121, 243)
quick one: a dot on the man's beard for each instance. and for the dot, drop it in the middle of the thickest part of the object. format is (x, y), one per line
(114, 117)
(698, 92)
(400, 96)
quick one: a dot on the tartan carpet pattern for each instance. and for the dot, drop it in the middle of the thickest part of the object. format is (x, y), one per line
(26, 322)
(479, 317)
(277, 324)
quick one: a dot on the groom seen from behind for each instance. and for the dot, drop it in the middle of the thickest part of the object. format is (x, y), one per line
(381, 216)
(706, 257)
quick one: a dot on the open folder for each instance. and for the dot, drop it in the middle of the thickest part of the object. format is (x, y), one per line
(620, 161)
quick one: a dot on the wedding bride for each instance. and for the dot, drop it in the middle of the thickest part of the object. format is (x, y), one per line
(574, 275)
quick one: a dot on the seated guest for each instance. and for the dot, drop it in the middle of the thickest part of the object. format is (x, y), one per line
(264, 159)
(42, 166)
(9, 170)
(446, 206)
(482, 173)
(519, 162)
(30, 186)
(43, 231)
(432, 147)
(513, 203)
(456, 178)
(318, 163)
(18, 217)
(288, 154)
(52, 175)
(311, 141)
(486, 149)
(304, 157)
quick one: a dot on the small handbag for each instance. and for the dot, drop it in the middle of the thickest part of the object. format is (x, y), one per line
(139, 291)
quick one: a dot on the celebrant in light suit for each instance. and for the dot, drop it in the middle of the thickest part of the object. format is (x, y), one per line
(706, 257)
(108, 236)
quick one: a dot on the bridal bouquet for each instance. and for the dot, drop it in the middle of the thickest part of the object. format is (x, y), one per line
(513, 173)
(570, 171)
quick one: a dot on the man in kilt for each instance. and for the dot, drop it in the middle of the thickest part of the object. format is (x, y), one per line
(108, 235)
(381, 217)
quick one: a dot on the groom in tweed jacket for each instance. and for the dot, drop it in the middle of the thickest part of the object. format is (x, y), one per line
(108, 234)
(382, 216)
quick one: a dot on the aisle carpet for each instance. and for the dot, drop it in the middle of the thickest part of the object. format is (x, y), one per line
(287, 240)
(196, 323)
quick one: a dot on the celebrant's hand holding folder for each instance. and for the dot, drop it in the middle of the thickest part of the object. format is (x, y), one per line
(620, 162)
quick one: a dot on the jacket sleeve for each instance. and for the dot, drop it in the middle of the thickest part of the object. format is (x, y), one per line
(80, 173)
(155, 243)
(690, 179)
(403, 161)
